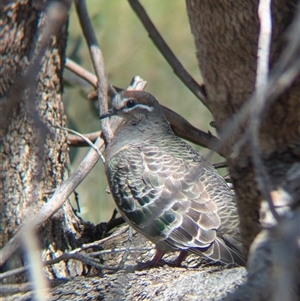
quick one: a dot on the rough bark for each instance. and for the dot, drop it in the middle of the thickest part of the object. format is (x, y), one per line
(226, 38)
(34, 154)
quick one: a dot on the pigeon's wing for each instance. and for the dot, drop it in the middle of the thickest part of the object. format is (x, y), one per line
(228, 246)
(165, 198)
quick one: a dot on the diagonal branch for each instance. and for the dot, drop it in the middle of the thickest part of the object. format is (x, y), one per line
(97, 59)
(168, 54)
(81, 72)
(182, 128)
(89, 77)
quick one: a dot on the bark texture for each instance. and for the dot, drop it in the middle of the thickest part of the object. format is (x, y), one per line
(226, 38)
(34, 154)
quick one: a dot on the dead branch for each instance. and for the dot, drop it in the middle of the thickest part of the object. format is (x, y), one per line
(90, 78)
(81, 72)
(75, 140)
(168, 54)
(220, 165)
(98, 63)
(184, 129)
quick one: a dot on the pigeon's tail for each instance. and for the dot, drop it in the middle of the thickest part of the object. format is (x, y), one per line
(219, 251)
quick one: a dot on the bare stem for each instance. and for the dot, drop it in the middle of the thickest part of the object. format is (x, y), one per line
(98, 63)
(168, 54)
(81, 72)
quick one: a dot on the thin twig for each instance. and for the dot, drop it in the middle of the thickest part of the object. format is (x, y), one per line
(167, 53)
(98, 63)
(8, 289)
(89, 77)
(87, 260)
(98, 242)
(13, 272)
(86, 139)
(120, 250)
(264, 42)
(66, 255)
(81, 72)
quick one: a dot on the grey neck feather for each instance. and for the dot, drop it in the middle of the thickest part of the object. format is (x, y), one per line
(137, 132)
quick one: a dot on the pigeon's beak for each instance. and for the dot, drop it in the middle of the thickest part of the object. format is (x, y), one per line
(109, 113)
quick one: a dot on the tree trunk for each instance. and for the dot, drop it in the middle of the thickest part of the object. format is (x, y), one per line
(226, 38)
(34, 152)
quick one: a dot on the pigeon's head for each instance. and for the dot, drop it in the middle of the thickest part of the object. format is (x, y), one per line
(135, 107)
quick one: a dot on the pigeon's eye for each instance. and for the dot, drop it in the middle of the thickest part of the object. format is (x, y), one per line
(130, 103)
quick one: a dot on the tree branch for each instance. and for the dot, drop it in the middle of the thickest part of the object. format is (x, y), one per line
(86, 140)
(81, 72)
(263, 52)
(167, 53)
(89, 77)
(97, 59)
(184, 129)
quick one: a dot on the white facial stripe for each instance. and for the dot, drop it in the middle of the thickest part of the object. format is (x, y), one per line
(150, 109)
(144, 107)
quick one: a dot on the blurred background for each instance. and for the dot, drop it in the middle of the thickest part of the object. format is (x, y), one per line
(127, 52)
